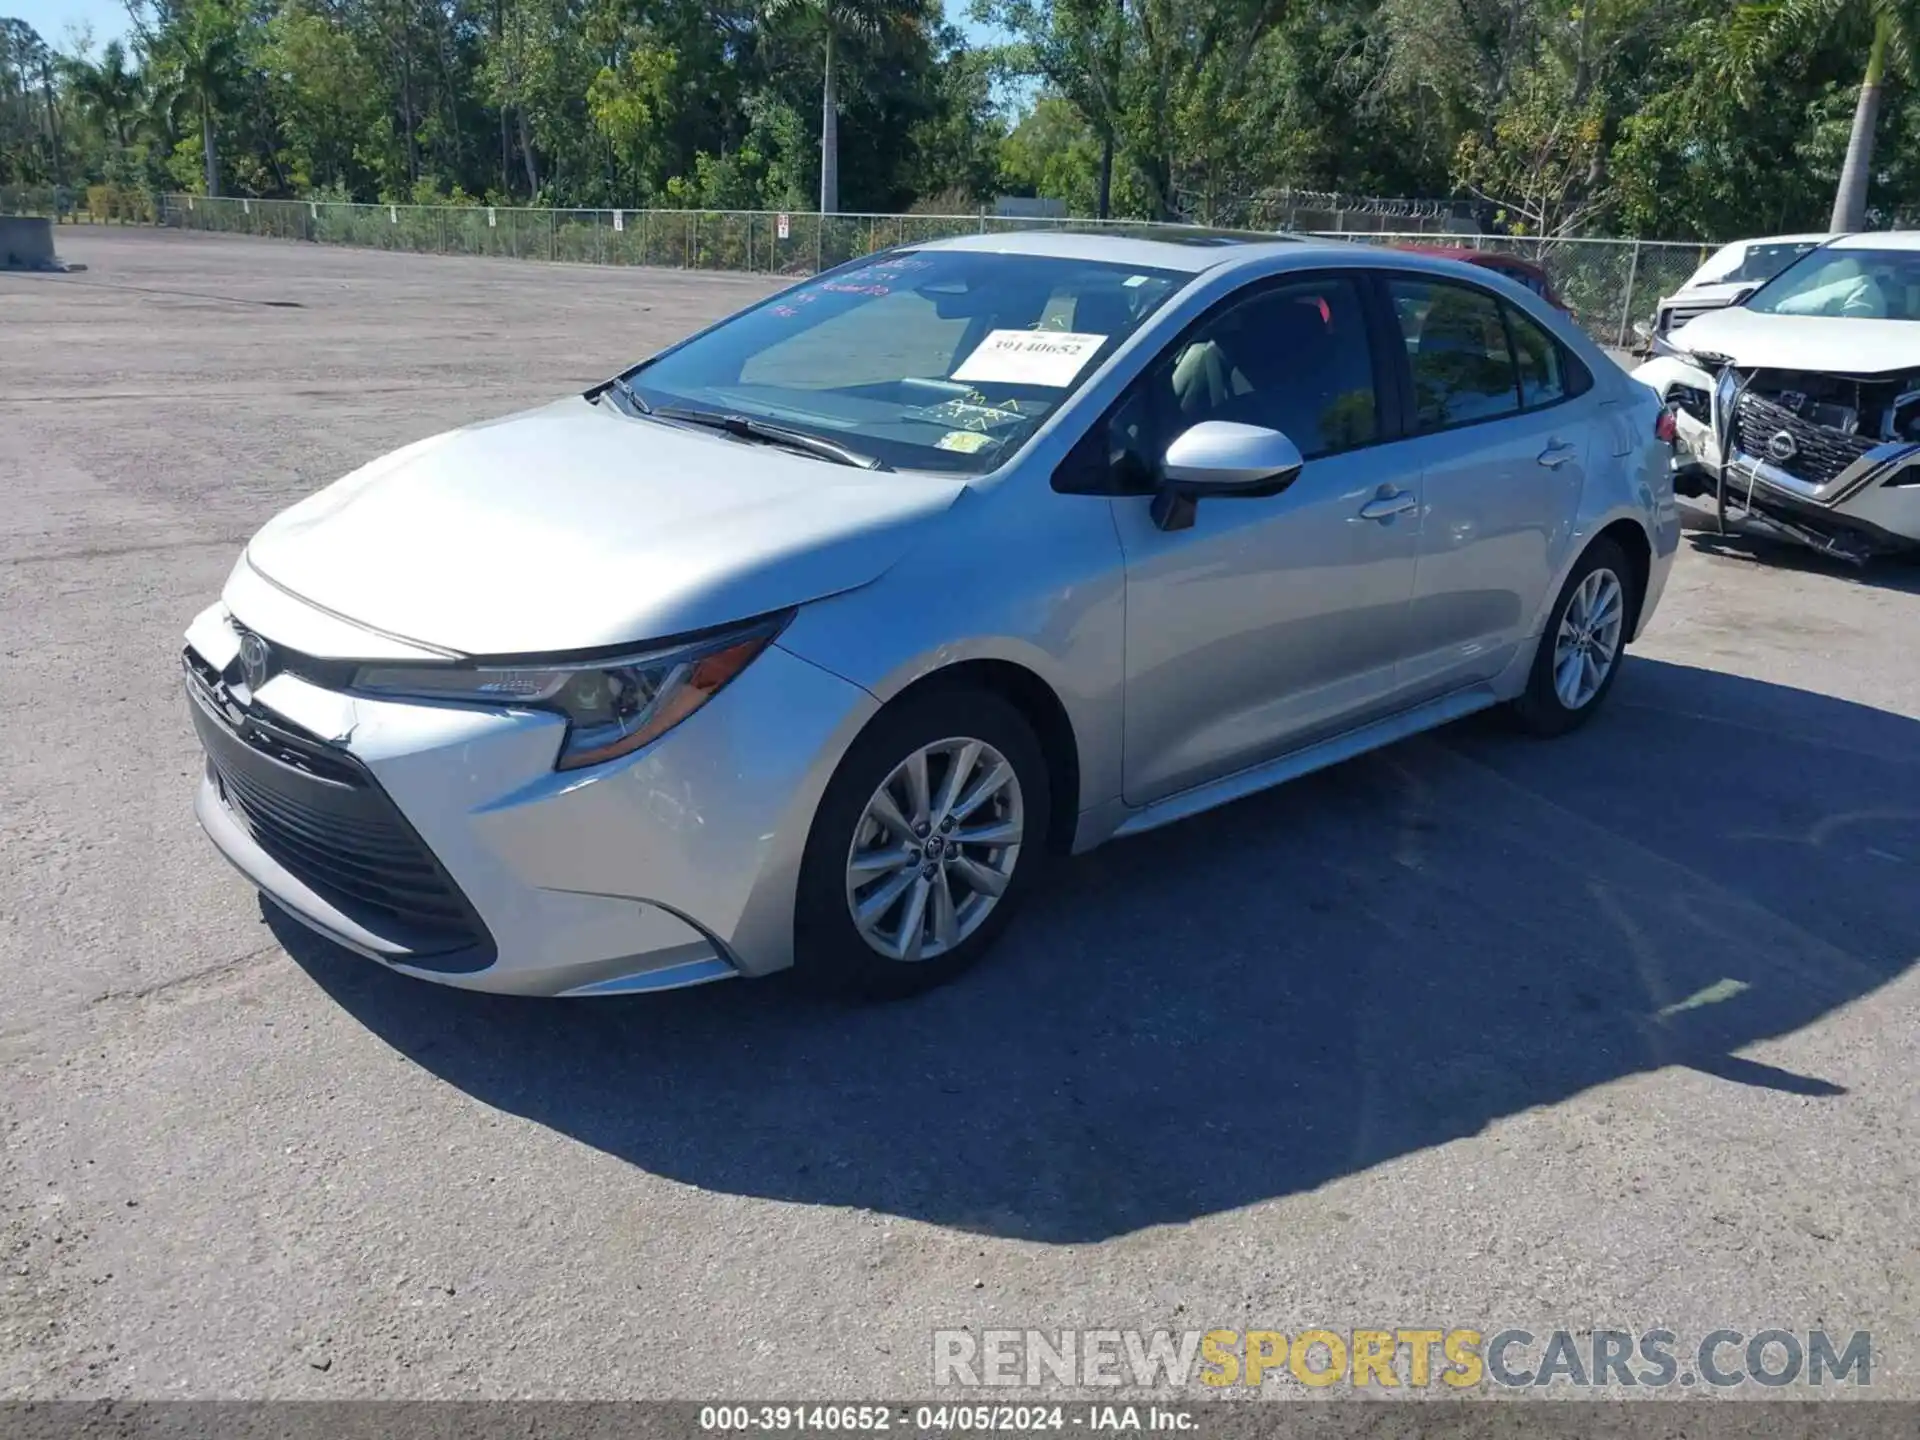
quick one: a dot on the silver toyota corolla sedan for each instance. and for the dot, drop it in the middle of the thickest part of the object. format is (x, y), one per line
(808, 640)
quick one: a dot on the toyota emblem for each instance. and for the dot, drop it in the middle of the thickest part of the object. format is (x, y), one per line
(1782, 446)
(254, 660)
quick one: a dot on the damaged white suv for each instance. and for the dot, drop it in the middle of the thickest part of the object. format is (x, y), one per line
(1800, 406)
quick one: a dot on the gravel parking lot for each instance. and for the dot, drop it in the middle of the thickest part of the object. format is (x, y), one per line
(1617, 1031)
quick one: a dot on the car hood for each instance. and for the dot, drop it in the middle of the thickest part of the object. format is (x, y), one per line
(575, 526)
(1804, 342)
(1720, 292)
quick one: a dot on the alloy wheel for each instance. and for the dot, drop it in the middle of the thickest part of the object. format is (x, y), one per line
(935, 849)
(1588, 641)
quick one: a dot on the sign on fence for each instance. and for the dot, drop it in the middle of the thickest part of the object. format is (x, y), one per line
(619, 220)
(313, 210)
(393, 214)
(246, 207)
(784, 228)
(492, 220)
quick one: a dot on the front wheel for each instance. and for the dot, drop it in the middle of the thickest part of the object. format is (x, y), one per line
(1581, 647)
(928, 837)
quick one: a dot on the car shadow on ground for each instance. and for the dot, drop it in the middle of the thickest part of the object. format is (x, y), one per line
(1372, 961)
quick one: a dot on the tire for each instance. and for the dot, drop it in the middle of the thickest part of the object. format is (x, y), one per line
(1544, 707)
(832, 952)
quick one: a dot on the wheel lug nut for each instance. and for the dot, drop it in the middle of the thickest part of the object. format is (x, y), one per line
(920, 828)
(946, 825)
(929, 871)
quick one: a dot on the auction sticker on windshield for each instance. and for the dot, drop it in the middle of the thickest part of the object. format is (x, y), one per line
(1029, 357)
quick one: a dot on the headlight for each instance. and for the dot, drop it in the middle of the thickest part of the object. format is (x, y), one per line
(613, 707)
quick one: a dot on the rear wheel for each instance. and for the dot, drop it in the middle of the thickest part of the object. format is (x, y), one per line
(928, 837)
(1581, 647)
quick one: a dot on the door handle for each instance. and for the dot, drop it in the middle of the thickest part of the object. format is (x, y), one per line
(1388, 506)
(1557, 454)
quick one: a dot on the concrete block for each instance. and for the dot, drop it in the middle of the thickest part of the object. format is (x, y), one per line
(26, 243)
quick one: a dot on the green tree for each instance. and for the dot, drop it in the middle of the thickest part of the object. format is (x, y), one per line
(836, 22)
(1887, 30)
(199, 53)
(22, 118)
(110, 92)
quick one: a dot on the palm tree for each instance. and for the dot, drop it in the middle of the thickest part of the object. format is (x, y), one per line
(837, 20)
(108, 91)
(1767, 29)
(201, 55)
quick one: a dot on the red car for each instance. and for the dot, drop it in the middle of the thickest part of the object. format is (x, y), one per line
(1521, 272)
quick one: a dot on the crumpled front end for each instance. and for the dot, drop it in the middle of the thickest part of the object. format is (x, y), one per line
(1831, 460)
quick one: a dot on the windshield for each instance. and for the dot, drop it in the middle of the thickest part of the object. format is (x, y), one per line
(1850, 284)
(927, 360)
(1750, 261)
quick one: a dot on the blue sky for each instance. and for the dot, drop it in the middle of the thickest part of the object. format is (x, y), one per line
(52, 18)
(108, 18)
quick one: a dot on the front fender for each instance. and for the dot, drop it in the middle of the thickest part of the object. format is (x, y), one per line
(1033, 580)
(1663, 372)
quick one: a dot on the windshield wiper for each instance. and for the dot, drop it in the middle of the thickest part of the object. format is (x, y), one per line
(746, 427)
(624, 388)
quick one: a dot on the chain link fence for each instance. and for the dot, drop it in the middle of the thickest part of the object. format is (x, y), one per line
(1608, 284)
(761, 241)
(95, 204)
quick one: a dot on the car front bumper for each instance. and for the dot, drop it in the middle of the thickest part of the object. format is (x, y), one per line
(439, 840)
(1878, 500)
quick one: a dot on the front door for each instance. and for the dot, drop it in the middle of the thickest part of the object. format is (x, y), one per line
(1271, 621)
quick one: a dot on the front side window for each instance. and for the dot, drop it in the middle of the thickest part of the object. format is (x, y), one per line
(1456, 341)
(1293, 358)
(932, 359)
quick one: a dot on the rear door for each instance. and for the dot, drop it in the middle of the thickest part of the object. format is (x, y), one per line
(1503, 417)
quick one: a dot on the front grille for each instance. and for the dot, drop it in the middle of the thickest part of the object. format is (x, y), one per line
(1820, 453)
(1674, 317)
(320, 813)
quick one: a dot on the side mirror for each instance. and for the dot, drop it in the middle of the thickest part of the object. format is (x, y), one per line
(1221, 458)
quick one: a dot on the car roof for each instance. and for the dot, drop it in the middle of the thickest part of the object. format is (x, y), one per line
(1158, 248)
(1196, 251)
(1878, 240)
(1811, 238)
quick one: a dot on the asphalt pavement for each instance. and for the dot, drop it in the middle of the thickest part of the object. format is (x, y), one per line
(1609, 1032)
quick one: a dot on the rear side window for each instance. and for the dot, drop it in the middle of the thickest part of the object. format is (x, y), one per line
(1543, 377)
(1463, 369)
(1549, 372)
